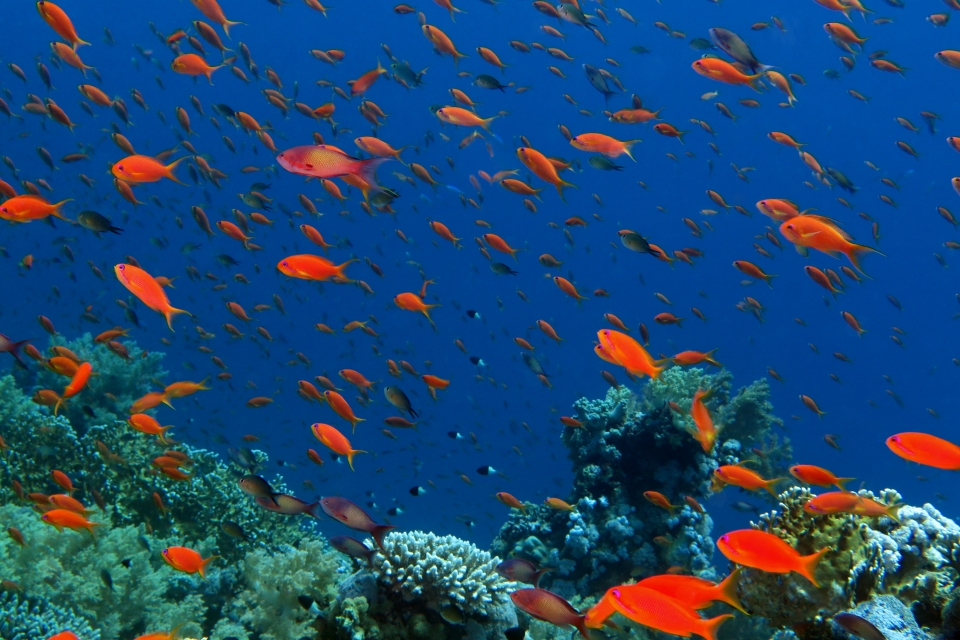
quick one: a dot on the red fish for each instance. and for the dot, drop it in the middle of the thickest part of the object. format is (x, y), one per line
(767, 552)
(348, 513)
(923, 448)
(322, 161)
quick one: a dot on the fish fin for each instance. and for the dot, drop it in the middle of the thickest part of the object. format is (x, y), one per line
(627, 145)
(56, 210)
(727, 590)
(170, 312)
(893, 510)
(367, 171)
(708, 629)
(379, 531)
(354, 424)
(581, 624)
(227, 24)
(841, 482)
(856, 251)
(203, 566)
(350, 455)
(563, 183)
(485, 122)
(807, 565)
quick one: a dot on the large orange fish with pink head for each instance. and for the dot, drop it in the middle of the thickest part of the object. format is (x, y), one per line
(142, 284)
(324, 161)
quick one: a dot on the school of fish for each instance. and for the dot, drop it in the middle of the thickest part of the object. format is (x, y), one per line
(327, 203)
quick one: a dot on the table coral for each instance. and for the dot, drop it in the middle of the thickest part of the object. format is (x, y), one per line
(35, 618)
(917, 560)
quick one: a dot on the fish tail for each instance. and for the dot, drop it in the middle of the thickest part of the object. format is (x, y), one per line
(708, 628)
(343, 266)
(56, 210)
(203, 566)
(456, 57)
(807, 565)
(843, 481)
(350, 455)
(353, 423)
(163, 434)
(892, 511)
(769, 484)
(726, 591)
(56, 407)
(168, 170)
(227, 24)
(80, 43)
(170, 312)
(563, 183)
(581, 624)
(856, 252)
(628, 148)
(768, 277)
(367, 171)
(379, 531)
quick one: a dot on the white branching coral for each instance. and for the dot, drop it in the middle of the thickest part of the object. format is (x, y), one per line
(443, 571)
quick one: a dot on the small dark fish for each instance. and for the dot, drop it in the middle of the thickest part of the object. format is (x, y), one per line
(501, 269)
(399, 399)
(598, 81)
(604, 164)
(635, 242)
(640, 49)
(533, 364)
(107, 579)
(405, 75)
(97, 223)
(734, 46)
(858, 626)
(842, 181)
(226, 260)
(831, 74)
(744, 507)
(488, 82)
(234, 530)
(244, 458)
(702, 44)
(257, 487)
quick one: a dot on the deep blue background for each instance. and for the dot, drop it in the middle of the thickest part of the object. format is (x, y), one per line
(840, 131)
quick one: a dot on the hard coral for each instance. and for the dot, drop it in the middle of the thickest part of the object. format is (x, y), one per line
(917, 560)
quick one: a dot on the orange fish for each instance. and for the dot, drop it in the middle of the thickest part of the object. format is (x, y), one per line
(190, 64)
(723, 71)
(767, 552)
(60, 22)
(849, 502)
(661, 612)
(925, 449)
(705, 432)
(336, 441)
(660, 500)
(463, 118)
(213, 11)
(185, 388)
(412, 302)
(695, 592)
(568, 288)
(599, 143)
(138, 169)
(143, 286)
(149, 401)
(744, 478)
(434, 382)
(501, 245)
(690, 358)
(342, 408)
(442, 43)
(628, 353)
(511, 501)
(541, 167)
(819, 476)
(187, 560)
(64, 635)
(61, 519)
(364, 82)
(310, 267)
(148, 424)
(162, 635)
(30, 207)
(77, 383)
(822, 234)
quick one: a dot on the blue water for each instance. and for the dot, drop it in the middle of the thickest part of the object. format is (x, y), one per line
(840, 132)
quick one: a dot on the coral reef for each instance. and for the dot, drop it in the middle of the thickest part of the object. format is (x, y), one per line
(123, 379)
(917, 560)
(627, 446)
(890, 616)
(32, 618)
(426, 586)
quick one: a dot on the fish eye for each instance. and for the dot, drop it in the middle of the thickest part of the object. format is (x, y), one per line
(120, 267)
(724, 539)
(615, 593)
(284, 263)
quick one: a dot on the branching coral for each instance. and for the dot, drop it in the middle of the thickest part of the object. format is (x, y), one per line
(917, 560)
(32, 618)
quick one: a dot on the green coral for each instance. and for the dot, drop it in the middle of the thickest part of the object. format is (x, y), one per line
(113, 387)
(70, 569)
(917, 560)
(274, 580)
